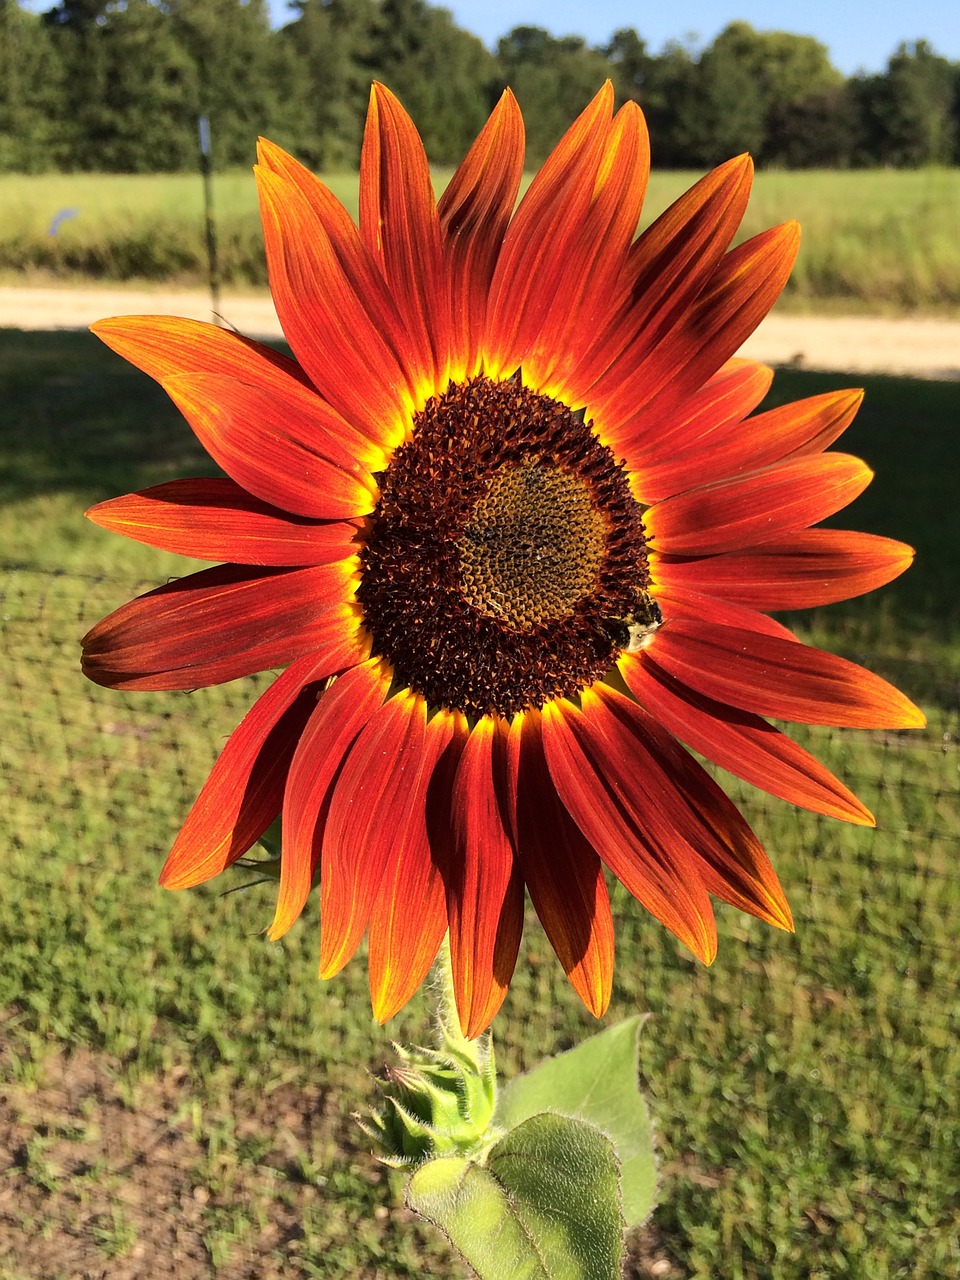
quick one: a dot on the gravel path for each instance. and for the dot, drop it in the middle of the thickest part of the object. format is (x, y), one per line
(921, 347)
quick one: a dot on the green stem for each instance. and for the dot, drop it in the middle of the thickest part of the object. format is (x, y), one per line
(475, 1051)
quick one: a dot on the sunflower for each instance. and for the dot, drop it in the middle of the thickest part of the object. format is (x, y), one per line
(511, 526)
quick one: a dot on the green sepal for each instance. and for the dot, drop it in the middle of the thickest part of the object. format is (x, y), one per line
(438, 1102)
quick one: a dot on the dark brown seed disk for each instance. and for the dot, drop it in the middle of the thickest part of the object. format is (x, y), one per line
(506, 558)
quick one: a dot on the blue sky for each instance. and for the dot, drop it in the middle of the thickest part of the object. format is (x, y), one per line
(860, 34)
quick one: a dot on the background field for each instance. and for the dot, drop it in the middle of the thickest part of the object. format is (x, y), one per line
(175, 1092)
(873, 240)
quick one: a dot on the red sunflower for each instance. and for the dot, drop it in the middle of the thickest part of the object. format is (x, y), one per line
(511, 526)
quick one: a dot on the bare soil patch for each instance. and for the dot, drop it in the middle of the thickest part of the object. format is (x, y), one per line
(96, 1183)
(920, 347)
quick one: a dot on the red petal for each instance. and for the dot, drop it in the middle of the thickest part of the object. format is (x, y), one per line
(727, 856)
(679, 603)
(562, 872)
(667, 268)
(484, 886)
(222, 623)
(729, 448)
(292, 451)
(215, 519)
(779, 678)
(336, 720)
(730, 514)
(367, 809)
(581, 299)
(543, 237)
(474, 215)
(799, 571)
(244, 791)
(335, 309)
(649, 385)
(398, 221)
(741, 743)
(600, 777)
(409, 916)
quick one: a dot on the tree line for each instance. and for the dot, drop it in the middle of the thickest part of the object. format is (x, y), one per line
(117, 85)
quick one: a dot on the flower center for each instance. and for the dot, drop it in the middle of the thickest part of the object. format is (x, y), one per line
(532, 547)
(505, 563)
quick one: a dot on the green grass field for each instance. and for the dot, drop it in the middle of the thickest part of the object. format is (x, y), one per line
(175, 1092)
(884, 240)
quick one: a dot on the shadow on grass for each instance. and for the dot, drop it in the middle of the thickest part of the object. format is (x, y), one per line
(77, 418)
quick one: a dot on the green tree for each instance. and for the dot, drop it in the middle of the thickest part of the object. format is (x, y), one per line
(147, 116)
(333, 44)
(30, 89)
(911, 109)
(553, 80)
(444, 76)
(245, 75)
(721, 111)
(820, 131)
(76, 32)
(631, 65)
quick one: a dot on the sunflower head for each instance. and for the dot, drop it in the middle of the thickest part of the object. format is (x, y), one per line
(512, 527)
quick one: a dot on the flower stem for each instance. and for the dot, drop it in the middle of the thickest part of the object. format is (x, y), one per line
(479, 1052)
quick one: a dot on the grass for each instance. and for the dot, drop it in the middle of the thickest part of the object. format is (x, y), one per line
(880, 239)
(805, 1087)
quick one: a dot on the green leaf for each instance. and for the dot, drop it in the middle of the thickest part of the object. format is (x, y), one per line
(545, 1206)
(596, 1081)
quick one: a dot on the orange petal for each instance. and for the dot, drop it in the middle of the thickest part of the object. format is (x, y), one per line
(727, 448)
(728, 857)
(779, 678)
(730, 514)
(288, 451)
(739, 294)
(599, 775)
(484, 886)
(398, 221)
(366, 810)
(474, 213)
(741, 743)
(409, 916)
(734, 391)
(226, 622)
(667, 268)
(336, 312)
(214, 519)
(798, 571)
(163, 346)
(244, 791)
(580, 304)
(339, 716)
(343, 238)
(542, 237)
(562, 871)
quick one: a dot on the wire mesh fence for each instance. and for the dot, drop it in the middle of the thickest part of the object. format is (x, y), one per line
(844, 1035)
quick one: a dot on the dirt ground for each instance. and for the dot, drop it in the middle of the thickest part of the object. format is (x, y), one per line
(921, 347)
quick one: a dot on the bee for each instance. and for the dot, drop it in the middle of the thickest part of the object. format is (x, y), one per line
(629, 633)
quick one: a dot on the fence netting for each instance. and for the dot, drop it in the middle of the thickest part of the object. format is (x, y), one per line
(864, 994)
